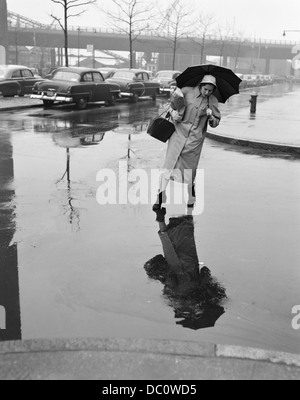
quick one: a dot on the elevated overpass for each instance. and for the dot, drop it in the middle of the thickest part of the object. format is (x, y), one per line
(26, 32)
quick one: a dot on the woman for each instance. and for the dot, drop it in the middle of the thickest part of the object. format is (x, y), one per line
(185, 145)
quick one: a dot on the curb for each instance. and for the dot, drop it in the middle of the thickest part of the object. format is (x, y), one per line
(268, 146)
(20, 107)
(141, 359)
(161, 347)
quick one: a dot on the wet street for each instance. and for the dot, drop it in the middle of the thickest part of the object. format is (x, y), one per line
(71, 267)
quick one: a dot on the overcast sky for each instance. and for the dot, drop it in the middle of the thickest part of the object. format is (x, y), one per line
(264, 19)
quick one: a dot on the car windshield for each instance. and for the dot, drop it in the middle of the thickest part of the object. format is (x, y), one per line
(124, 74)
(164, 75)
(66, 76)
(2, 73)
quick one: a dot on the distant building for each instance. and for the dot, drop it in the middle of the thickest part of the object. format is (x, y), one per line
(91, 62)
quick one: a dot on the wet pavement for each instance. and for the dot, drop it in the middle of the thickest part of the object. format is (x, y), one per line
(275, 125)
(75, 268)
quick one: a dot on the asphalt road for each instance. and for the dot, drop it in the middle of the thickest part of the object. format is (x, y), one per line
(75, 267)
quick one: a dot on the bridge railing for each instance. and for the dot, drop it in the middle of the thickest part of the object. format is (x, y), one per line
(150, 32)
(153, 33)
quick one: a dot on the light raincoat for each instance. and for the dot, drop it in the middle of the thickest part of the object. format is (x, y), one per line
(185, 145)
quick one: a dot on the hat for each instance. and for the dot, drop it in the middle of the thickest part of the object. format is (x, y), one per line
(209, 79)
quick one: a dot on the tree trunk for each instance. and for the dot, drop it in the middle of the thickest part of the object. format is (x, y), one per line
(202, 48)
(131, 50)
(174, 54)
(66, 38)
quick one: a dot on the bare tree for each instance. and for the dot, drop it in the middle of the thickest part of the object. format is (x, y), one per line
(175, 26)
(70, 9)
(224, 33)
(239, 41)
(130, 17)
(203, 24)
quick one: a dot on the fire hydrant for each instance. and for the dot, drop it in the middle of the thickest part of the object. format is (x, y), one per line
(253, 102)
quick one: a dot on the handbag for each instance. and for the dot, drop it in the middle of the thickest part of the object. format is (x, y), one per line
(161, 128)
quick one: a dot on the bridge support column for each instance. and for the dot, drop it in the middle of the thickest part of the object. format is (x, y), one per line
(53, 58)
(134, 59)
(267, 66)
(225, 61)
(3, 32)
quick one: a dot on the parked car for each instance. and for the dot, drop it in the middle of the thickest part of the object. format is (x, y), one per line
(244, 82)
(261, 80)
(167, 80)
(107, 72)
(279, 79)
(49, 74)
(269, 79)
(76, 85)
(251, 80)
(135, 83)
(17, 80)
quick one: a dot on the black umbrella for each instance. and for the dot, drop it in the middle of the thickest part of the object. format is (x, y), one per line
(227, 81)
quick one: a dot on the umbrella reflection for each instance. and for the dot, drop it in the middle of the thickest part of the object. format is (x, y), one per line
(195, 296)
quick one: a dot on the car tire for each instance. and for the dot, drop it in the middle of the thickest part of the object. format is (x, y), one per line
(134, 98)
(81, 103)
(48, 103)
(113, 100)
(154, 96)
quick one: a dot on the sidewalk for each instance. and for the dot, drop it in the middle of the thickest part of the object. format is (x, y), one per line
(138, 359)
(11, 103)
(275, 126)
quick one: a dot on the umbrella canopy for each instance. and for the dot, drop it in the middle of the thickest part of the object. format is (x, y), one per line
(207, 319)
(227, 81)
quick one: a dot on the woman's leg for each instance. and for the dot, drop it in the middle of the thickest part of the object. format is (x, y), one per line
(192, 195)
(161, 197)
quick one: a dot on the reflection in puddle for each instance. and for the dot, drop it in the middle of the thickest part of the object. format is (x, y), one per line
(10, 314)
(193, 293)
(88, 128)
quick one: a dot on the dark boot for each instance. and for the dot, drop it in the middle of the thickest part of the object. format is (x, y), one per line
(192, 203)
(161, 198)
(160, 214)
